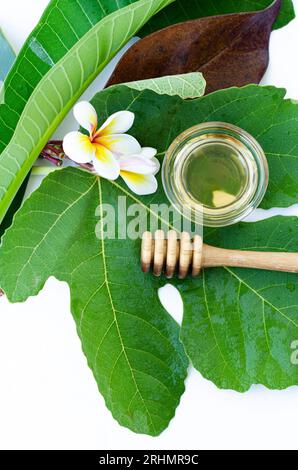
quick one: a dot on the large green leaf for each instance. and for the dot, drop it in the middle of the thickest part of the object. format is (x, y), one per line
(138, 374)
(133, 351)
(238, 326)
(58, 63)
(183, 10)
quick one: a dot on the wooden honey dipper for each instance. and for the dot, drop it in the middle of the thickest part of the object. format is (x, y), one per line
(169, 253)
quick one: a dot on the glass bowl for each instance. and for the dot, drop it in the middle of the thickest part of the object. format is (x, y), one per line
(203, 162)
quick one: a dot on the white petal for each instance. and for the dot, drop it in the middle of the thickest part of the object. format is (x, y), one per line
(157, 165)
(137, 164)
(105, 164)
(148, 152)
(119, 143)
(140, 184)
(118, 123)
(86, 116)
(78, 147)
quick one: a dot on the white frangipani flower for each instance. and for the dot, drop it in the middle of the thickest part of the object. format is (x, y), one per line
(112, 152)
(102, 146)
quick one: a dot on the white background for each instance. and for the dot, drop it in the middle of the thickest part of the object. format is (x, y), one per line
(48, 397)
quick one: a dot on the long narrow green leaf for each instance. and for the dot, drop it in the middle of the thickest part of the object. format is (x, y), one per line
(62, 25)
(62, 85)
(7, 58)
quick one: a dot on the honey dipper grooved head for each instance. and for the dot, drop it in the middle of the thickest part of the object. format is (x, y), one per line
(146, 252)
(169, 253)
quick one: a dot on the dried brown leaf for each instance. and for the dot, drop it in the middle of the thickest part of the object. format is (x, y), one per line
(230, 50)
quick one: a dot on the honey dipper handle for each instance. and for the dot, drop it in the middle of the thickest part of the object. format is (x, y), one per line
(213, 257)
